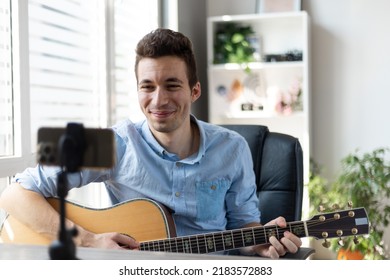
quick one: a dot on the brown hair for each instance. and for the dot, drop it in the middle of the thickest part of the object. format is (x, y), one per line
(166, 42)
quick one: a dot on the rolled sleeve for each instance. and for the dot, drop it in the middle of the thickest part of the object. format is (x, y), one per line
(40, 179)
(43, 179)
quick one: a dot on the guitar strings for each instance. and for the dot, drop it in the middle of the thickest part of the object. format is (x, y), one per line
(247, 237)
(221, 241)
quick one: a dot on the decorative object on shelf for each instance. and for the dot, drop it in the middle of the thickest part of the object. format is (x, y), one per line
(254, 96)
(254, 83)
(246, 94)
(365, 181)
(235, 43)
(274, 100)
(276, 6)
(252, 107)
(221, 90)
(292, 55)
(285, 102)
(235, 91)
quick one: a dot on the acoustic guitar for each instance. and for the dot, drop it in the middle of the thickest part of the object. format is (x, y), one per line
(152, 225)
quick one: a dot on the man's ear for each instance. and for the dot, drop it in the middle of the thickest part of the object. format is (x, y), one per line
(196, 92)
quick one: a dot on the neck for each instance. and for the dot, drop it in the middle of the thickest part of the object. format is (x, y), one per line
(183, 142)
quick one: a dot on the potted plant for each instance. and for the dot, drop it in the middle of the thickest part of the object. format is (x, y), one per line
(365, 181)
(233, 44)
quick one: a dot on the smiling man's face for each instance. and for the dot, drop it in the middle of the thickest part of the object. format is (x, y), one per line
(164, 93)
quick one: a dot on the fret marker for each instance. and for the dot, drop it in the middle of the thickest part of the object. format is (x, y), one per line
(228, 241)
(271, 232)
(186, 245)
(210, 244)
(248, 237)
(298, 230)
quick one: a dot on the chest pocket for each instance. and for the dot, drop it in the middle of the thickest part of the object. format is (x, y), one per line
(210, 198)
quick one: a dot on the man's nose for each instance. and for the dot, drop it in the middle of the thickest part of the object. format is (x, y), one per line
(160, 97)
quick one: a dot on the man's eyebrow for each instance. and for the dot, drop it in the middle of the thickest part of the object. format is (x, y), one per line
(174, 80)
(168, 80)
(145, 81)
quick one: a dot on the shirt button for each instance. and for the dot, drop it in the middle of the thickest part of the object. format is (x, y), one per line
(213, 187)
(177, 194)
(179, 164)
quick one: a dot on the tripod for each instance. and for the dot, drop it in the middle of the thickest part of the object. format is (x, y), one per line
(72, 146)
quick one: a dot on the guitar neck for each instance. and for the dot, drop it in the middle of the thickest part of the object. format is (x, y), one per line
(338, 224)
(223, 241)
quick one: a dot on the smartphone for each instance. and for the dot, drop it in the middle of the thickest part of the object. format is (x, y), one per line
(99, 152)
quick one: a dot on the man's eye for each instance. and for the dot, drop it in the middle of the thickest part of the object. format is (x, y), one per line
(173, 87)
(146, 87)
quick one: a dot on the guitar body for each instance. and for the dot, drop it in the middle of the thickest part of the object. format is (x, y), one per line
(141, 219)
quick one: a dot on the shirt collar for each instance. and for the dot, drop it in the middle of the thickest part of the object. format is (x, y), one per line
(152, 142)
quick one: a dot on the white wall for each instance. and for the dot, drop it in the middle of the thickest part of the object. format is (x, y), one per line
(230, 7)
(350, 75)
(350, 79)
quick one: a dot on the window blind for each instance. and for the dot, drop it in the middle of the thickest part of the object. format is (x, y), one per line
(6, 111)
(65, 55)
(82, 63)
(132, 20)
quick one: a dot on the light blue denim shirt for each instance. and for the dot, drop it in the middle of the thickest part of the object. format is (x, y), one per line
(212, 190)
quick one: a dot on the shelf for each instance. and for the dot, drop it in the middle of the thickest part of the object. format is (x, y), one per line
(256, 65)
(263, 115)
(286, 16)
(268, 85)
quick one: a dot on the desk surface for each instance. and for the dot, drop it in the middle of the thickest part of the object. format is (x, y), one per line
(37, 252)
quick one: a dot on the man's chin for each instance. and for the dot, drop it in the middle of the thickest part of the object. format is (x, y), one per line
(161, 126)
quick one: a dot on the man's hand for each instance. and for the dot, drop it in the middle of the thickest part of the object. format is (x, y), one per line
(289, 243)
(111, 240)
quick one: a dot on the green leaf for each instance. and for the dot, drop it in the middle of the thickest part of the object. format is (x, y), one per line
(237, 38)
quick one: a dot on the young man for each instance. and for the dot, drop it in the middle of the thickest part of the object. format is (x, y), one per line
(202, 172)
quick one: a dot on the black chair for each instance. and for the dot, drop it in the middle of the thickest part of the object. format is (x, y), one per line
(278, 166)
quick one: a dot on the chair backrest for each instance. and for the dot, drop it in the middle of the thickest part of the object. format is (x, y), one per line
(278, 165)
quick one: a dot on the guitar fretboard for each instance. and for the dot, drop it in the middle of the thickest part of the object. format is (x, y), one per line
(223, 241)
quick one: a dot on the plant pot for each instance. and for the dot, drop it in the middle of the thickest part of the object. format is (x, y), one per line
(344, 254)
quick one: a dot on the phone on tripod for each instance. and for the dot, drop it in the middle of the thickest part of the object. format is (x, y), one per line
(99, 149)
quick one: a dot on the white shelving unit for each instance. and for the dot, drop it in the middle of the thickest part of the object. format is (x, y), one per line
(238, 97)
